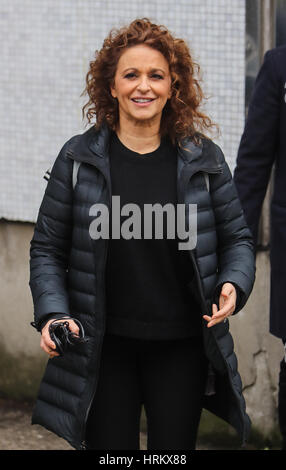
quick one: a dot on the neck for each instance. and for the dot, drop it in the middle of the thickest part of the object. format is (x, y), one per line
(139, 136)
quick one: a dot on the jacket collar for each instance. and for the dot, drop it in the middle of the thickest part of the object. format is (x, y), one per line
(201, 157)
(92, 147)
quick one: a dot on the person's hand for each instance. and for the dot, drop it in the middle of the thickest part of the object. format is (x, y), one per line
(47, 343)
(227, 303)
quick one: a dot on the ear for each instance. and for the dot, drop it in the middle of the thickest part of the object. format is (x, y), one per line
(113, 92)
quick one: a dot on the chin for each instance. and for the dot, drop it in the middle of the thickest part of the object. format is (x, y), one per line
(144, 116)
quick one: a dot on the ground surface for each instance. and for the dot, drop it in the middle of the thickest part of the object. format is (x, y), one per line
(17, 433)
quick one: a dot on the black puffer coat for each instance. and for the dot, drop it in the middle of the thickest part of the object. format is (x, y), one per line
(67, 274)
(262, 147)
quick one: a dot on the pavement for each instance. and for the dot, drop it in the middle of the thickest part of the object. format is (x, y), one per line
(17, 433)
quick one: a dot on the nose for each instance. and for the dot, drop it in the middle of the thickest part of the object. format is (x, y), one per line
(143, 85)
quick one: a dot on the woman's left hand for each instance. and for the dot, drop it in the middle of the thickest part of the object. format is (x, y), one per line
(227, 303)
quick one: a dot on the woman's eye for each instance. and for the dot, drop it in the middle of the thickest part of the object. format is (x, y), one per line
(130, 75)
(157, 76)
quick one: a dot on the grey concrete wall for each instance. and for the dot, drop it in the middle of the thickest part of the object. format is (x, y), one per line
(22, 361)
(259, 353)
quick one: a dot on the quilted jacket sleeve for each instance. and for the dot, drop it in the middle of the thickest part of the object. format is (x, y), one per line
(236, 260)
(51, 243)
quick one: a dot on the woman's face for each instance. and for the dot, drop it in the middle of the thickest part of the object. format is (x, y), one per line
(142, 84)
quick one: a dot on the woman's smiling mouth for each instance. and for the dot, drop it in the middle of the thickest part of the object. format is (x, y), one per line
(142, 101)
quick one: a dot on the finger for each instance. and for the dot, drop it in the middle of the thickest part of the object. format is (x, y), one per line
(214, 321)
(48, 350)
(53, 354)
(224, 312)
(214, 310)
(228, 303)
(218, 315)
(207, 318)
(225, 293)
(45, 349)
(73, 327)
(49, 343)
(210, 320)
(218, 319)
(221, 301)
(217, 312)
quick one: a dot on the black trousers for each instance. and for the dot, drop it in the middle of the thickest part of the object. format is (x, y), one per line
(167, 376)
(282, 398)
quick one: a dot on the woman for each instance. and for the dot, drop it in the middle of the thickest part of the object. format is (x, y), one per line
(156, 316)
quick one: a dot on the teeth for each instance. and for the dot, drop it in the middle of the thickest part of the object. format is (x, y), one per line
(142, 100)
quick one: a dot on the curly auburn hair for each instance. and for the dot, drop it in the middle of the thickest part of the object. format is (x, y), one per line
(181, 115)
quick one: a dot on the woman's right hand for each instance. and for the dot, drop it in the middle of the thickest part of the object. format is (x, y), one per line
(47, 343)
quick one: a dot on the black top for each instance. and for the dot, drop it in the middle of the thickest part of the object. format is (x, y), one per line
(146, 279)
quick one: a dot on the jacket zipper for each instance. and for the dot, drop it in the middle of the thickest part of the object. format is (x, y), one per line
(83, 445)
(83, 442)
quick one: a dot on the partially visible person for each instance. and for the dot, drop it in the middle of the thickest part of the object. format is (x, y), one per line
(262, 147)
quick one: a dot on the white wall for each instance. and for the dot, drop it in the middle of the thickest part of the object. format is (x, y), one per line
(46, 47)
